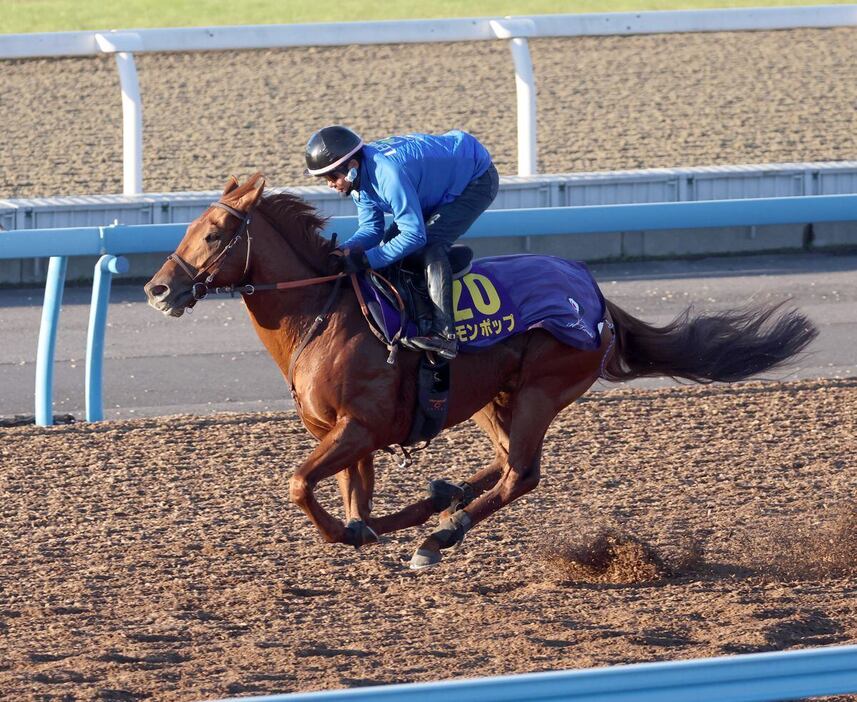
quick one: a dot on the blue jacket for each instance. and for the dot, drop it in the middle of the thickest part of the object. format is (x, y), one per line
(409, 177)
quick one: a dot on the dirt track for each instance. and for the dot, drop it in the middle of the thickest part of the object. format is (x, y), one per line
(604, 104)
(161, 559)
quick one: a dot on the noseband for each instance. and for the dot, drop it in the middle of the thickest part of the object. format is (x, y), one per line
(199, 289)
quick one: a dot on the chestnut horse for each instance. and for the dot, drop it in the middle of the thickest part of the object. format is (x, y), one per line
(355, 402)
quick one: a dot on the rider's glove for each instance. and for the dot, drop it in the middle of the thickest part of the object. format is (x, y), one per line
(351, 260)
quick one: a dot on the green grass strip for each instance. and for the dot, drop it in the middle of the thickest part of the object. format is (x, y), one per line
(22, 16)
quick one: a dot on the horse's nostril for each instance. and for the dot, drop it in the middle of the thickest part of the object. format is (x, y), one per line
(157, 292)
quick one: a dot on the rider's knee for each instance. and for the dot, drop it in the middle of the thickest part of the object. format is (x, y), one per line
(434, 251)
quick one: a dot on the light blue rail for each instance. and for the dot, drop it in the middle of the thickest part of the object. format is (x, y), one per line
(114, 241)
(48, 339)
(754, 677)
(107, 265)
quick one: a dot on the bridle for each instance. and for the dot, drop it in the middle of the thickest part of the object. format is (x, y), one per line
(202, 288)
(199, 289)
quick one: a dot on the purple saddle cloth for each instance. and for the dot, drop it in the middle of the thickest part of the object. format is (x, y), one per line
(506, 295)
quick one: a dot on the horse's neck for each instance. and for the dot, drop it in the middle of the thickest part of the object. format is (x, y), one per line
(282, 317)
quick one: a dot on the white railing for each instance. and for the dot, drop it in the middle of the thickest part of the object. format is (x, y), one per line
(516, 30)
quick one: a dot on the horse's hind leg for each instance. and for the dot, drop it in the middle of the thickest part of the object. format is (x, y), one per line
(493, 419)
(519, 473)
(525, 416)
(420, 512)
(490, 419)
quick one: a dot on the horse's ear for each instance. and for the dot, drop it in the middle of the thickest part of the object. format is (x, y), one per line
(231, 184)
(256, 186)
(258, 181)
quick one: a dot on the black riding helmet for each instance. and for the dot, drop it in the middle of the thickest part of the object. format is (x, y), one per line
(329, 148)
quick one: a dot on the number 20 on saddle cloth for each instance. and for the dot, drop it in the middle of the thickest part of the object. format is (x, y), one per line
(497, 298)
(506, 295)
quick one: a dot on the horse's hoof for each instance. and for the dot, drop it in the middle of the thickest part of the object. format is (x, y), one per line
(358, 533)
(447, 496)
(424, 558)
(450, 532)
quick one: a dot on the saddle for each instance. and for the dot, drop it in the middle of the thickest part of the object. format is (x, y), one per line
(403, 285)
(406, 280)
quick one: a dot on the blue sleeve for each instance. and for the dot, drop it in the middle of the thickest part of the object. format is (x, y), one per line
(396, 188)
(370, 227)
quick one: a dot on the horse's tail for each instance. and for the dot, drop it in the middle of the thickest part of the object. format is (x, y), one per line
(724, 347)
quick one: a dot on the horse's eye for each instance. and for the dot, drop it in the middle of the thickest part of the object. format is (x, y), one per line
(212, 237)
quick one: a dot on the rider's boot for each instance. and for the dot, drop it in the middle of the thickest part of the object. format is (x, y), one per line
(441, 340)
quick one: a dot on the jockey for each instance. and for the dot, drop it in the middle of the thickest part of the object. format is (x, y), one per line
(435, 186)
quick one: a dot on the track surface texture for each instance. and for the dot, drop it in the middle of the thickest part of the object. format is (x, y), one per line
(603, 104)
(161, 559)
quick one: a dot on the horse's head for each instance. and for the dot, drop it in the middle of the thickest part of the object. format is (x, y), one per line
(215, 250)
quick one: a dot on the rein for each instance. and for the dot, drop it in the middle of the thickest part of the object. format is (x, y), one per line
(250, 288)
(200, 290)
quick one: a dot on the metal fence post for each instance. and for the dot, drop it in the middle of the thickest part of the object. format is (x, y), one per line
(525, 87)
(516, 30)
(122, 44)
(48, 339)
(105, 268)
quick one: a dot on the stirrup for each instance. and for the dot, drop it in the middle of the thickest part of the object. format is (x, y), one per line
(446, 348)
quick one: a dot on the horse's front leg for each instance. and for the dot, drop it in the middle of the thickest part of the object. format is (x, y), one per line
(357, 485)
(344, 445)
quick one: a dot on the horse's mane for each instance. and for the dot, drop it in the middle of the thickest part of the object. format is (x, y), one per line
(294, 218)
